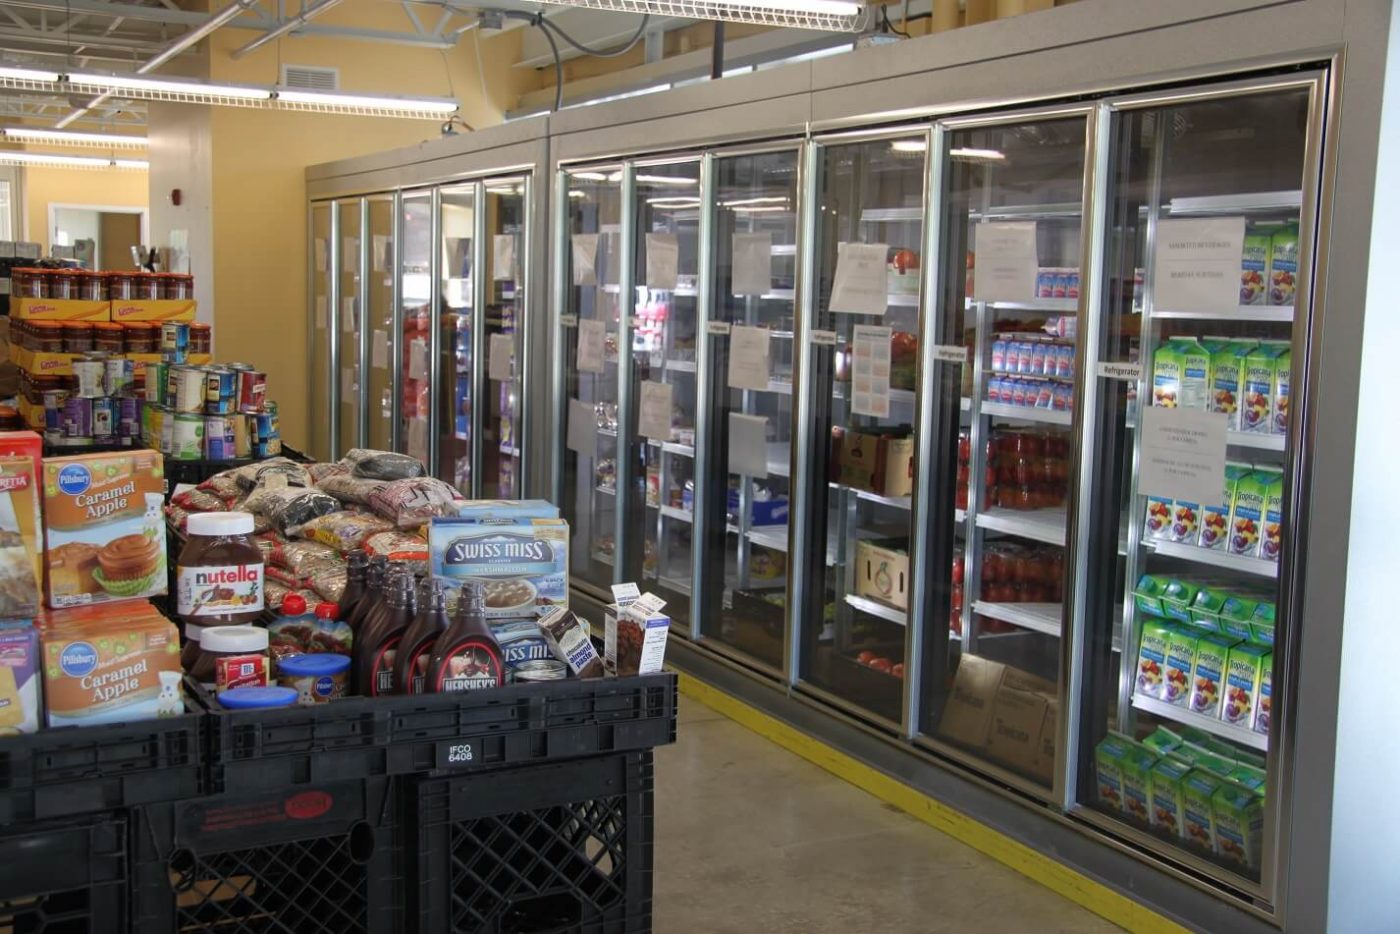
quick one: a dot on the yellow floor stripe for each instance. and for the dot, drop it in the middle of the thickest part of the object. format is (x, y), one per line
(1098, 898)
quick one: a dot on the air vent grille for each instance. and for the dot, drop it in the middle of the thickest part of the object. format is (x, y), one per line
(310, 77)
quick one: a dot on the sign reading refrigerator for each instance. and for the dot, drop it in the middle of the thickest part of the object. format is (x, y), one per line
(870, 370)
(748, 357)
(1006, 262)
(1183, 454)
(748, 445)
(584, 250)
(591, 335)
(753, 263)
(663, 261)
(1198, 264)
(654, 415)
(861, 283)
(499, 359)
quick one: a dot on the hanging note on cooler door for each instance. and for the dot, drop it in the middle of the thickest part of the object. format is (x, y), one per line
(499, 357)
(748, 445)
(418, 438)
(583, 427)
(322, 312)
(591, 335)
(503, 257)
(1006, 261)
(349, 322)
(1183, 453)
(753, 263)
(319, 247)
(350, 255)
(1197, 264)
(379, 259)
(459, 258)
(663, 261)
(379, 350)
(584, 250)
(349, 390)
(861, 284)
(418, 359)
(870, 370)
(654, 413)
(748, 357)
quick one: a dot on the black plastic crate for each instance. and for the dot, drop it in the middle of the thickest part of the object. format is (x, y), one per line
(549, 848)
(357, 737)
(195, 472)
(79, 769)
(62, 877)
(307, 860)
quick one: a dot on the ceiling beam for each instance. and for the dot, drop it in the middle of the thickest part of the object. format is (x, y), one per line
(89, 40)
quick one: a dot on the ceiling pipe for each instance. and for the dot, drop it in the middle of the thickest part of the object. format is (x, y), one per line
(219, 19)
(296, 22)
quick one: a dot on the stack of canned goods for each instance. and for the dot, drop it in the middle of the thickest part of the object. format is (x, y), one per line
(97, 405)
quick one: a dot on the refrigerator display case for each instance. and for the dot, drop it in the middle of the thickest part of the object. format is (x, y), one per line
(351, 417)
(413, 346)
(458, 245)
(319, 390)
(501, 445)
(381, 290)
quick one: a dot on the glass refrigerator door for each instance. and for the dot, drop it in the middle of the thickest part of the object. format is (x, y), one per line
(507, 207)
(744, 588)
(1204, 324)
(861, 467)
(412, 346)
(1011, 241)
(591, 267)
(319, 394)
(456, 353)
(664, 376)
(381, 322)
(350, 326)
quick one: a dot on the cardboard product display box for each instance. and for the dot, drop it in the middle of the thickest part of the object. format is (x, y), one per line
(60, 309)
(882, 571)
(523, 564)
(881, 464)
(634, 632)
(165, 309)
(1007, 714)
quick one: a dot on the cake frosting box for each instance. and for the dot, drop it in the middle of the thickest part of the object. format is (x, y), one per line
(104, 527)
(524, 565)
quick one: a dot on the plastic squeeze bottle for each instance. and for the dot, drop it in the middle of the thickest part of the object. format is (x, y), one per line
(379, 635)
(466, 657)
(374, 582)
(416, 648)
(356, 571)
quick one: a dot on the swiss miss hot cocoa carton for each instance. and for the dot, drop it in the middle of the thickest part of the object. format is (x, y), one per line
(104, 527)
(522, 564)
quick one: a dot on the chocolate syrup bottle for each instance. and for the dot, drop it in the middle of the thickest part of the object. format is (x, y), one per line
(356, 572)
(374, 582)
(466, 657)
(416, 648)
(379, 635)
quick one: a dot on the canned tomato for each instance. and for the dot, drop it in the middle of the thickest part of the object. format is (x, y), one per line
(219, 440)
(88, 375)
(186, 390)
(118, 376)
(174, 336)
(186, 437)
(220, 391)
(252, 389)
(103, 420)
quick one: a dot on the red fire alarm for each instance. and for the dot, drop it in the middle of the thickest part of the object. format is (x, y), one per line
(175, 197)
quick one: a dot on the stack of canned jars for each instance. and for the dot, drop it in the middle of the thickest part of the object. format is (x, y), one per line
(98, 404)
(86, 285)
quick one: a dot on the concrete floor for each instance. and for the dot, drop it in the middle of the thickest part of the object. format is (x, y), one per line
(752, 838)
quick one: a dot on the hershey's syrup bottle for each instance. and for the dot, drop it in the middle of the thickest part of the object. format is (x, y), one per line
(374, 591)
(378, 639)
(356, 572)
(415, 648)
(466, 657)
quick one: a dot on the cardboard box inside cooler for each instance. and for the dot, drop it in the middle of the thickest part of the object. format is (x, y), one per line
(882, 571)
(882, 464)
(1004, 712)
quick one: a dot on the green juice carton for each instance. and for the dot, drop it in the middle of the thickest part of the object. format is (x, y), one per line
(1195, 376)
(1147, 595)
(1227, 372)
(1108, 766)
(1208, 674)
(1180, 375)
(1168, 802)
(1205, 609)
(1137, 782)
(1250, 777)
(1177, 598)
(1283, 376)
(1271, 541)
(1244, 670)
(1235, 614)
(1181, 659)
(1215, 517)
(1198, 789)
(1238, 814)
(1158, 523)
(1205, 758)
(1247, 514)
(1254, 267)
(1260, 369)
(1152, 658)
(1162, 741)
(1264, 709)
(1283, 266)
(1261, 624)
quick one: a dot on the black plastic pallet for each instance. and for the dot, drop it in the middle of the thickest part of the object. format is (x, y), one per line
(321, 860)
(81, 769)
(358, 737)
(65, 876)
(551, 848)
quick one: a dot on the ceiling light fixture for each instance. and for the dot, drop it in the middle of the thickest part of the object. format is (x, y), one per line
(978, 155)
(27, 78)
(168, 89)
(58, 161)
(827, 15)
(365, 104)
(73, 138)
(909, 145)
(666, 180)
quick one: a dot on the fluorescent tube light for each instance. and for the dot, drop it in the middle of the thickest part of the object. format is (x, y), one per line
(666, 180)
(590, 176)
(909, 145)
(73, 138)
(978, 155)
(829, 15)
(171, 89)
(777, 199)
(59, 161)
(336, 102)
(24, 77)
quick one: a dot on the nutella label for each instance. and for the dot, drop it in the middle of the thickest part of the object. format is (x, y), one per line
(240, 671)
(470, 668)
(219, 590)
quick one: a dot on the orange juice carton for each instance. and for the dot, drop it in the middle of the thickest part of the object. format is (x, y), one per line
(1247, 514)
(1168, 802)
(1152, 658)
(1244, 672)
(1283, 266)
(1198, 789)
(124, 666)
(104, 527)
(1254, 267)
(1227, 372)
(1215, 517)
(1271, 541)
(1260, 371)
(1239, 824)
(1264, 709)
(1180, 660)
(1208, 673)
(1158, 523)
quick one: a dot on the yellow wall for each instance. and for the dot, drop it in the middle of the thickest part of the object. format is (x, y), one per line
(112, 187)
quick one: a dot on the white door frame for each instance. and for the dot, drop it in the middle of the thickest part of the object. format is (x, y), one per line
(55, 206)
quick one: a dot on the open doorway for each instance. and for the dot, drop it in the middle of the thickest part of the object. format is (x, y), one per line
(103, 236)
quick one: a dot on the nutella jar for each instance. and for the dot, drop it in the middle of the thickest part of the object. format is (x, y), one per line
(237, 656)
(190, 651)
(219, 575)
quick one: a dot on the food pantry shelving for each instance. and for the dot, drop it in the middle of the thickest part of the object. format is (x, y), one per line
(686, 427)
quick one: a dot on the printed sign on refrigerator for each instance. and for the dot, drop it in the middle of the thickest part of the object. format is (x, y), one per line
(350, 255)
(753, 263)
(748, 445)
(380, 260)
(1183, 454)
(499, 357)
(418, 359)
(349, 318)
(379, 350)
(748, 357)
(654, 413)
(584, 251)
(322, 312)
(1198, 264)
(503, 257)
(319, 247)
(1006, 262)
(663, 261)
(861, 284)
(870, 370)
(583, 427)
(591, 335)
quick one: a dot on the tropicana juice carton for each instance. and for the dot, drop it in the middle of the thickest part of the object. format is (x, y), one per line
(1137, 782)
(1215, 517)
(1235, 614)
(1168, 801)
(1271, 541)
(1243, 676)
(1283, 266)
(1181, 660)
(1264, 709)
(1161, 741)
(1254, 267)
(1147, 595)
(1205, 609)
(1260, 371)
(1283, 377)
(1152, 658)
(1180, 370)
(1247, 514)
(1198, 789)
(1239, 824)
(1108, 765)
(1227, 372)
(1208, 674)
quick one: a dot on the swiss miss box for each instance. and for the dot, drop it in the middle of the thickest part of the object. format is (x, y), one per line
(523, 564)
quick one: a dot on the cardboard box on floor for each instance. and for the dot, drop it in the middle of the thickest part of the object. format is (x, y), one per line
(1008, 714)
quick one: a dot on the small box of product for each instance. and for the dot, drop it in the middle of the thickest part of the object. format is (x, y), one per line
(20, 709)
(59, 309)
(882, 571)
(569, 637)
(524, 564)
(21, 529)
(104, 527)
(878, 463)
(110, 664)
(634, 633)
(164, 309)
(506, 510)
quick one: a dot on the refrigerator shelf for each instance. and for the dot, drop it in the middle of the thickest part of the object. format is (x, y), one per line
(904, 299)
(1237, 204)
(1037, 617)
(778, 387)
(608, 432)
(601, 558)
(671, 447)
(1219, 559)
(1238, 734)
(876, 608)
(1246, 439)
(1026, 413)
(898, 502)
(1060, 305)
(1041, 525)
(891, 215)
(679, 586)
(1282, 313)
(1069, 209)
(681, 366)
(680, 515)
(606, 490)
